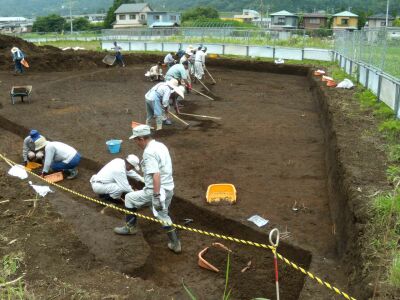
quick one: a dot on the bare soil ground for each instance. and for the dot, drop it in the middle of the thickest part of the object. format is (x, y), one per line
(269, 144)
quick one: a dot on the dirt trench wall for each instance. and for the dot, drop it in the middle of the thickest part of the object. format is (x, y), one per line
(351, 171)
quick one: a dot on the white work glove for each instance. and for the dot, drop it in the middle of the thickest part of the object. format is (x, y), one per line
(156, 201)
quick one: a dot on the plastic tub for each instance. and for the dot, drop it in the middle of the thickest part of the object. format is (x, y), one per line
(114, 146)
(219, 193)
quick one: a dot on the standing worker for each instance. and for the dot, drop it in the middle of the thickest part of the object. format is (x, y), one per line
(169, 60)
(58, 157)
(17, 56)
(28, 148)
(159, 186)
(200, 62)
(157, 101)
(118, 54)
(111, 182)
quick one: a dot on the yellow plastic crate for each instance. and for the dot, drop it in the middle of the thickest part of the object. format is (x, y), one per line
(221, 192)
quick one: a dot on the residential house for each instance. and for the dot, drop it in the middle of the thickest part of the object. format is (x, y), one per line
(163, 19)
(314, 20)
(345, 20)
(141, 14)
(248, 16)
(284, 20)
(15, 25)
(379, 20)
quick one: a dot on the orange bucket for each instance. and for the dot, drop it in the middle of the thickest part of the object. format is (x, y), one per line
(31, 165)
(205, 264)
(55, 177)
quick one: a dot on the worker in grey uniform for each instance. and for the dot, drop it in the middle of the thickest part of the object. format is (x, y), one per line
(159, 186)
(28, 148)
(58, 157)
(111, 182)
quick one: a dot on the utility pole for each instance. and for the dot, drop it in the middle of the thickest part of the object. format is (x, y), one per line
(262, 12)
(387, 14)
(70, 15)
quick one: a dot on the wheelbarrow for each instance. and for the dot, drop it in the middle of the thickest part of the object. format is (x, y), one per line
(109, 59)
(21, 91)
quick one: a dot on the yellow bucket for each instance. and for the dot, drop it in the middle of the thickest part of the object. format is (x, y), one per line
(222, 192)
(213, 55)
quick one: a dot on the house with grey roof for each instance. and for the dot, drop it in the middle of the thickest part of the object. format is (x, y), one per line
(141, 14)
(284, 20)
(379, 21)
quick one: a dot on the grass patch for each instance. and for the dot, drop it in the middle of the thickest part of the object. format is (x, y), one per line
(10, 265)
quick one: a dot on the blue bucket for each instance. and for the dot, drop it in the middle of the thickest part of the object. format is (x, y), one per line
(114, 146)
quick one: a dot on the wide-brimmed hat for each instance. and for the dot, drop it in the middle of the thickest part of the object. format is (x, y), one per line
(139, 131)
(134, 161)
(40, 143)
(174, 84)
(14, 49)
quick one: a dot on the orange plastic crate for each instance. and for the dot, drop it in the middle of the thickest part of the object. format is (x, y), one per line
(55, 177)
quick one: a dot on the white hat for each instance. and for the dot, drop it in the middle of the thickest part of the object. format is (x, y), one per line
(173, 83)
(141, 130)
(14, 49)
(134, 161)
(40, 143)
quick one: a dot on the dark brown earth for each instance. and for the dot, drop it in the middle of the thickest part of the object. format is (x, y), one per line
(269, 144)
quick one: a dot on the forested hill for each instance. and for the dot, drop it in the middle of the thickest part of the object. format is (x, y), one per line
(44, 7)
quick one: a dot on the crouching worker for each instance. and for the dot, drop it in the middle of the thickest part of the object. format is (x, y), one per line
(157, 101)
(28, 148)
(58, 157)
(159, 186)
(112, 180)
(156, 73)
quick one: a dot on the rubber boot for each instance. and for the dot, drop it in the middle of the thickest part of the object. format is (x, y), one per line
(108, 198)
(130, 226)
(72, 173)
(174, 243)
(159, 122)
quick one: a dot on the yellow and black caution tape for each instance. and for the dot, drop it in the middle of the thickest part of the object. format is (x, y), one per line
(199, 231)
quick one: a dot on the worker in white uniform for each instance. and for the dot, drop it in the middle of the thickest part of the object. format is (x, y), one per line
(111, 182)
(28, 148)
(200, 62)
(155, 73)
(58, 157)
(159, 186)
(157, 101)
(169, 59)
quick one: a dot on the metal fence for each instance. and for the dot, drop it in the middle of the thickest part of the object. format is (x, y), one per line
(373, 58)
(379, 48)
(299, 38)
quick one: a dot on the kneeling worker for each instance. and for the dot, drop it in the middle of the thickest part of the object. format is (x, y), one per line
(58, 157)
(159, 186)
(112, 180)
(28, 148)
